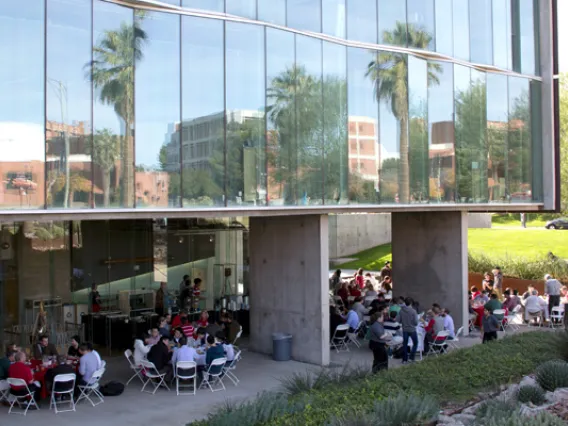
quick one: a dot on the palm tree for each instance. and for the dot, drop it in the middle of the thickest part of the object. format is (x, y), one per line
(112, 73)
(105, 153)
(389, 73)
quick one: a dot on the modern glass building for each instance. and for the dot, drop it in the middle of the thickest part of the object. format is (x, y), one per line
(142, 140)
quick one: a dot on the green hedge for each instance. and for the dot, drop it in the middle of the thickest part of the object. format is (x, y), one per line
(456, 377)
(519, 267)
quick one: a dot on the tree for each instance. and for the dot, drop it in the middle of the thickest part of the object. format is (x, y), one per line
(105, 153)
(112, 73)
(389, 73)
(564, 141)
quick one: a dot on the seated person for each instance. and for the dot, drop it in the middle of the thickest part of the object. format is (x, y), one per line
(164, 327)
(528, 293)
(5, 363)
(141, 348)
(201, 338)
(44, 348)
(335, 319)
(154, 336)
(359, 308)
(232, 328)
(229, 350)
(176, 339)
(214, 351)
(74, 347)
(534, 306)
(183, 353)
(352, 320)
(487, 283)
(510, 301)
(203, 319)
(393, 326)
(62, 368)
(482, 299)
(354, 291)
(343, 292)
(493, 303)
(89, 363)
(214, 328)
(398, 303)
(160, 356)
(387, 290)
(449, 323)
(177, 320)
(187, 328)
(475, 292)
(19, 370)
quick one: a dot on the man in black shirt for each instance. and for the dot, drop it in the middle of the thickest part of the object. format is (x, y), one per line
(62, 368)
(160, 356)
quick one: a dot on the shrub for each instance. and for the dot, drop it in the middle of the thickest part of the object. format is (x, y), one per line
(495, 410)
(299, 383)
(528, 269)
(516, 419)
(533, 394)
(561, 344)
(552, 375)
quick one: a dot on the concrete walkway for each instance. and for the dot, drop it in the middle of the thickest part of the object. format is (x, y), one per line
(257, 373)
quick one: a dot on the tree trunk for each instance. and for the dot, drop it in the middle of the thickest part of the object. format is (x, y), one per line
(106, 187)
(404, 171)
(127, 169)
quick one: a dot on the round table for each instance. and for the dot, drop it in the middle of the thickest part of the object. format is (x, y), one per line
(39, 376)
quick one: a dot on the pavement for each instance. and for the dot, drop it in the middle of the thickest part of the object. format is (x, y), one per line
(256, 372)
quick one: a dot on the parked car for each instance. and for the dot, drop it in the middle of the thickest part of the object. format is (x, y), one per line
(561, 223)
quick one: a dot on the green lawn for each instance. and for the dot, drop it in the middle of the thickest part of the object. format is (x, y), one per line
(530, 244)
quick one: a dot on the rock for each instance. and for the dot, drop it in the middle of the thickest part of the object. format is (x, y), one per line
(509, 393)
(528, 381)
(466, 419)
(448, 421)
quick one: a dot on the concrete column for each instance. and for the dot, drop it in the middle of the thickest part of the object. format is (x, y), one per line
(429, 254)
(289, 284)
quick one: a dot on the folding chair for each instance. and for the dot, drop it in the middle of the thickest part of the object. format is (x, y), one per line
(500, 316)
(92, 389)
(214, 375)
(439, 343)
(338, 341)
(350, 299)
(153, 376)
(22, 397)
(539, 315)
(238, 336)
(230, 367)
(513, 317)
(352, 337)
(4, 390)
(136, 368)
(557, 315)
(186, 371)
(59, 381)
(454, 342)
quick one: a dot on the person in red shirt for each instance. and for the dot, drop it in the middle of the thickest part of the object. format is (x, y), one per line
(360, 279)
(475, 292)
(19, 370)
(343, 292)
(354, 291)
(187, 328)
(176, 323)
(203, 319)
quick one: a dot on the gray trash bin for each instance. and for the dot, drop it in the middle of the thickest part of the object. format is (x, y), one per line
(281, 346)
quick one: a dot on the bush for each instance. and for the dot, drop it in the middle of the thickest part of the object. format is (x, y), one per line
(495, 410)
(561, 344)
(516, 419)
(527, 269)
(532, 394)
(299, 383)
(552, 375)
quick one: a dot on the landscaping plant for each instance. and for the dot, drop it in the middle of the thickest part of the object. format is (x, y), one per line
(532, 394)
(552, 375)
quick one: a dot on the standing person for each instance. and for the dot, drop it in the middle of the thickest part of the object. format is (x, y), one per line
(498, 282)
(162, 299)
(489, 326)
(95, 299)
(183, 283)
(360, 279)
(552, 288)
(335, 281)
(408, 317)
(196, 293)
(185, 295)
(386, 270)
(377, 342)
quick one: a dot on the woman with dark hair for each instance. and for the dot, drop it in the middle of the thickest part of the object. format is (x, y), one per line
(74, 348)
(377, 342)
(95, 299)
(360, 279)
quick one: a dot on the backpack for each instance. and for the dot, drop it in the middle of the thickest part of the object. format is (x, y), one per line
(112, 388)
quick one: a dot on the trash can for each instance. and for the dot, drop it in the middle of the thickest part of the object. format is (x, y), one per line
(281, 346)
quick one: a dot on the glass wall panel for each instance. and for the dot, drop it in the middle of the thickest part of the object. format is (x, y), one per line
(460, 22)
(536, 138)
(158, 113)
(526, 36)
(362, 20)
(442, 152)
(444, 28)
(213, 5)
(420, 15)
(418, 128)
(335, 124)
(333, 17)
(304, 14)
(68, 126)
(22, 135)
(309, 120)
(363, 130)
(203, 113)
(245, 95)
(480, 31)
(497, 134)
(392, 22)
(502, 34)
(118, 43)
(245, 8)
(281, 140)
(519, 143)
(272, 11)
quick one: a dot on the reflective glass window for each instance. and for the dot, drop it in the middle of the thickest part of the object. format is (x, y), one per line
(418, 129)
(333, 17)
(68, 95)
(364, 149)
(304, 14)
(245, 8)
(497, 135)
(460, 12)
(444, 28)
(245, 98)
(281, 140)
(442, 150)
(392, 22)
(22, 146)
(526, 39)
(519, 141)
(213, 5)
(480, 31)
(272, 11)
(536, 139)
(420, 15)
(502, 34)
(157, 95)
(309, 120)
(118, 43)
(335, 124)
(362, 20)
(203, 113)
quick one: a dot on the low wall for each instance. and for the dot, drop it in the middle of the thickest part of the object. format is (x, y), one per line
(352, 233)
(475, 279)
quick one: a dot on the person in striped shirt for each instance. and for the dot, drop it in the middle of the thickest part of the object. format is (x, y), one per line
(187, 328)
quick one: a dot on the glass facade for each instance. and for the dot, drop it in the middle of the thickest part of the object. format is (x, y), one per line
(107, 106)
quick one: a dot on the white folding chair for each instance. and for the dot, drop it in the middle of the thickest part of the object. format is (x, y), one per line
(513, 318)
(136, 368)
(238, 336)
(4, 390)
(538, 316)
(350, 299)
(439, 343)
(92, 389)
(500, 316)
(186, 371)
(214, 375)
(339, 339)
(557, 314)
(352, 337)
(66, 381)
(23, 397)
(230, 367)
(153, 376)
(454, 342)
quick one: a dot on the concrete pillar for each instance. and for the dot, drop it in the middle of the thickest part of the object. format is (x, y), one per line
(289, 284)
(429, 254)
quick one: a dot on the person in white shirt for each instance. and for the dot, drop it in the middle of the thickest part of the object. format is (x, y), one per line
(89, 363)
(229, 351)
(552, 288)
(449, 323)
(183, 353)
(535, 305)
(141, 348)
